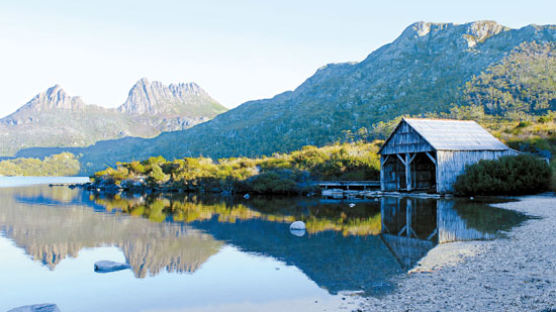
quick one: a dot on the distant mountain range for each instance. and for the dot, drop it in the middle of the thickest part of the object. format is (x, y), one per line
(427, 69)
(55, 119)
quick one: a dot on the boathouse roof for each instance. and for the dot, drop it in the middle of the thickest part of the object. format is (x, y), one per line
(446, 134)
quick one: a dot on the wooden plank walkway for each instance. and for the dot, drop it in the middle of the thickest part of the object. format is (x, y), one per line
(362, 185)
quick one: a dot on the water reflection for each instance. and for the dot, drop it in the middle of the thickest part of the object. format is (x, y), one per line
(51, 224)
(347, 247)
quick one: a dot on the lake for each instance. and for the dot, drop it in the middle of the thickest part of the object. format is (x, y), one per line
(215, 253)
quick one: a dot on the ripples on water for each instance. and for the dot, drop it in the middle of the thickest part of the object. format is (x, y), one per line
(218, 251)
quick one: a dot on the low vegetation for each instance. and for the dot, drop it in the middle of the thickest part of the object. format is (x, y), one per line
(277, 174)
(64, 164)
(508, 175)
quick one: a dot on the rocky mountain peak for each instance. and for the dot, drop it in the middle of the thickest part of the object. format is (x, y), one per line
(146, 97)
(54, 98)
(479, 31)
(469, 34)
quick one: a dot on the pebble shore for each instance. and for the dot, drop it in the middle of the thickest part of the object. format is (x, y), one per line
(517, 273)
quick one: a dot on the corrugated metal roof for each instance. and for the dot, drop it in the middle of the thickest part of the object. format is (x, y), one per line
(445, 134)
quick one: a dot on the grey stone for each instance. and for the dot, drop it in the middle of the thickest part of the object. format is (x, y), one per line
(45, 307)
(298, 225)
(107, 266)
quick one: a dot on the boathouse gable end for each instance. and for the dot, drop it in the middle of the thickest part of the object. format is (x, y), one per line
(405, 139)
(429, 154)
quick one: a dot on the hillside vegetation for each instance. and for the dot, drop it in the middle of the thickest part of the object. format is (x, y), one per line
(64, 164)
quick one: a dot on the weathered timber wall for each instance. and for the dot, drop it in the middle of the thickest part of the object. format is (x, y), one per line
(392, 174)
(452, 163)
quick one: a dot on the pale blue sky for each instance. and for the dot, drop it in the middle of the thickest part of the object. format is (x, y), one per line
(236, 50)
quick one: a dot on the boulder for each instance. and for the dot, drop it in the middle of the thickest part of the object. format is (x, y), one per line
(298, 225)
(107, 266)
(45, 307)
(297, 233)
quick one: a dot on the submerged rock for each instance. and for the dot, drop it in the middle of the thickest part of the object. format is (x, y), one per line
(297, 233)
(297, 228)
(298, 225)
(45, 307)
(107, 266)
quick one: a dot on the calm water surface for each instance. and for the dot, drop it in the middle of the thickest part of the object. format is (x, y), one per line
(199, 253)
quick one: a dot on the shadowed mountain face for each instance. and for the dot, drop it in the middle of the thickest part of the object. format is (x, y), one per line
(359, 248)
(54, 118)
(425, 70)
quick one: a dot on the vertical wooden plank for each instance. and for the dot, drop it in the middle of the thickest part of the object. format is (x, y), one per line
(407, 172)
(439, 168)
(382, 182)
(408, 213)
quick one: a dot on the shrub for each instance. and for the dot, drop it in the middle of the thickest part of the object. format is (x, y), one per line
(273, 182)
(508, 175)
(157, 175)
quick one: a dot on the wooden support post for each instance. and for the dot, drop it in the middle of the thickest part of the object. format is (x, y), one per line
(432, 234)
(407, 164)
(408, 212)
(382, 175)
(435, 162)
(431, 158)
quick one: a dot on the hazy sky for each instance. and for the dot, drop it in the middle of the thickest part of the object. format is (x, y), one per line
(236, 50)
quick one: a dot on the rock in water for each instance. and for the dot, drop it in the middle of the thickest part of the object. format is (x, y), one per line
(297, 228)
(107, 266)
(297, 233)
(45, 307)
(351, 205)
(246, 196)
(298, 225)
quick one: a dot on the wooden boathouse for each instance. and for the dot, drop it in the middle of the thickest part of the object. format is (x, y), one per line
(429, 154)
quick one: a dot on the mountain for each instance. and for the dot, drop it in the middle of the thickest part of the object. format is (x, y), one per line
(54, 118)
(174, 107)
(424, 70)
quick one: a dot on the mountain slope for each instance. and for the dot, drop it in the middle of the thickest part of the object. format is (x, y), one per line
(424, 70)
(54, 118)
(172, 107)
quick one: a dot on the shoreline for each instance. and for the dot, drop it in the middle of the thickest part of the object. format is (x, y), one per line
(515, 273)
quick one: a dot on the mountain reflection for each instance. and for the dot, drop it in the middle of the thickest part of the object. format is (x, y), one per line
(346, 248)
(50, 233)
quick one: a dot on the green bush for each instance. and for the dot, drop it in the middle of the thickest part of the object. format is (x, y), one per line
(508, 175)
(274, 182)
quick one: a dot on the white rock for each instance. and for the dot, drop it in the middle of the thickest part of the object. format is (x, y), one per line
(297, 233)
(351, 205)
(107, 266)
(298, 225)
(45, 307)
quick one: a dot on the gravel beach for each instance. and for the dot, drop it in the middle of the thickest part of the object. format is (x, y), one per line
(517, 273)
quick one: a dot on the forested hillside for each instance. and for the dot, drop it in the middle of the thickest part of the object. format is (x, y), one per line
(64, 164)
